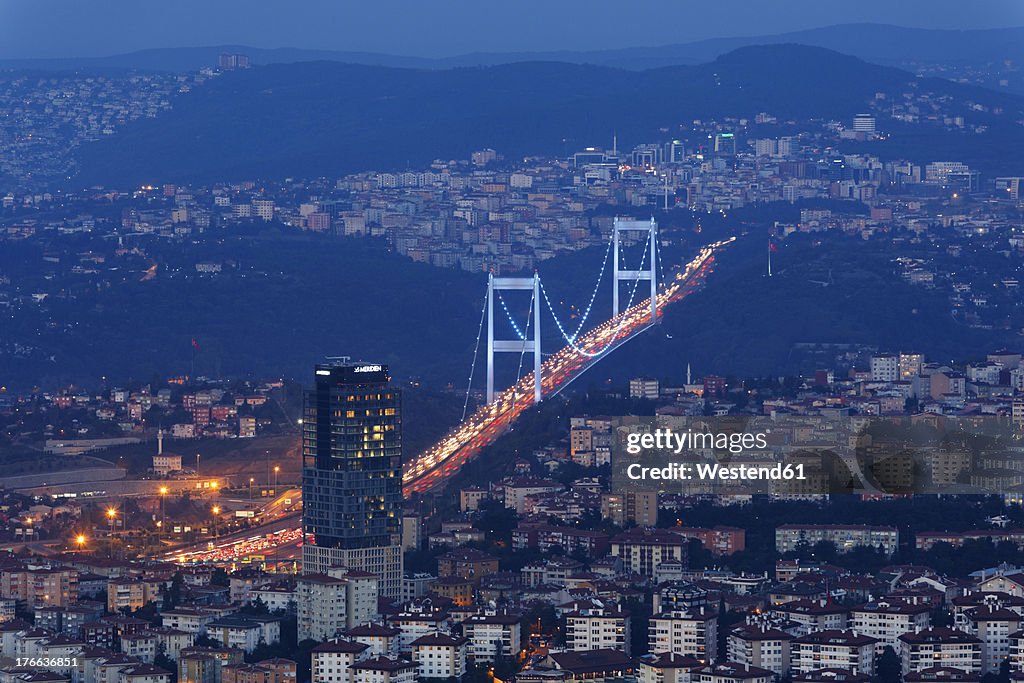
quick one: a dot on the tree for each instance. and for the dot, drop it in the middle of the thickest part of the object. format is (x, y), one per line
(942, 617)
(172, 595)
(639, 623)
(207, 641)
(257, 606)
(889, 667)
(164, 662)
(727, 619)
(220, 577)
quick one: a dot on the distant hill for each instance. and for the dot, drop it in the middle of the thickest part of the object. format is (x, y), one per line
(893, 45)
(328, 118)
(291, 298)
(746, 324)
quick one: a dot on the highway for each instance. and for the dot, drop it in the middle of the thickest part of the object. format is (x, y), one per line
(245, 543)
(282, 529)
(281, 538)
(431, 468)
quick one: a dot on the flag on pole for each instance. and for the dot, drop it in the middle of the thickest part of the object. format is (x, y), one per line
(195, 344)
(772, 246)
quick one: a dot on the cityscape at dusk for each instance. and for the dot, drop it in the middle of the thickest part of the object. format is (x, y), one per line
(538, 342)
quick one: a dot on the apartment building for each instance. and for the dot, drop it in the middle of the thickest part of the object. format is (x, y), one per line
(887, 620)
(440, 655)
(686, 632)
(939, 646)
(789, 537)
(761, 646)
(332, 660)
(849, 650)
(492, 634)
(592, 625)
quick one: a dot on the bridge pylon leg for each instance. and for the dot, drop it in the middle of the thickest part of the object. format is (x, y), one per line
(621, 225)
(529, 345)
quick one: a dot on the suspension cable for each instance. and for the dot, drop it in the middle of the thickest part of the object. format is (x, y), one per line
(508, 314)
(632, 294)
(536, 341)
(593, 293)
(476, 350)
(571, 341)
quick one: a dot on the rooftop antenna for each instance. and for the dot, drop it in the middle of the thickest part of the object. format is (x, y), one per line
(688, 379)
(615, 145)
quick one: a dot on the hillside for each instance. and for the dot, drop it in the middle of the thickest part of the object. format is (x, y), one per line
(291, 299)
(325, 118)
(881, 43)
(746, 324)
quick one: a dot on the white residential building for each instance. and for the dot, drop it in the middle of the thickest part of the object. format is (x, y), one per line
(886, 621)
(332, 661)
(492, 635)
(731, 672)
(885, 368)
(943, 647)
(321, 605)
(993, 625)
(440, 655)
(686, 632)
(813, 615)
(666, 667)
(760, 646)
(590, 625)
(418, 622)
(384, 670)
(848, 650)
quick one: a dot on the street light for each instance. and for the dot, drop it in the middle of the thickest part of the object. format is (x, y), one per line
(252, 480)
(163, 493)
(216, 511)
(111, 515)
(277, 470)
(80, 541)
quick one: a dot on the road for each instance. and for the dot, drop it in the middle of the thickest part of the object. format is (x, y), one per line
(282, 537)
(432, 467)
(281, 527)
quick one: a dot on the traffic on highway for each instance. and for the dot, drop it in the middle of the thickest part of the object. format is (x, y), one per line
(432, 467)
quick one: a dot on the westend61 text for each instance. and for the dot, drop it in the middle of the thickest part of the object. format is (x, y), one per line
(716, 472)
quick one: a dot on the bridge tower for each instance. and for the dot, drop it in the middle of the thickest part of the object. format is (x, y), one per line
(621, 225)
(520, 346)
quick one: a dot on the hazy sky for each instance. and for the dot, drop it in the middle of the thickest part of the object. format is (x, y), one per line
(434, 28)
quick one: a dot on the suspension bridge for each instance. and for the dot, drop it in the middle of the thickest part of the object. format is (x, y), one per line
(549, 376)
(582, 350)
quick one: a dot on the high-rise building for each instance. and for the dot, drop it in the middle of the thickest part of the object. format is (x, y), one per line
(352, 473)
(644, 387)
(1007, 188)
(885, 368)
(864, 123)
(911, 365)
(725, 144)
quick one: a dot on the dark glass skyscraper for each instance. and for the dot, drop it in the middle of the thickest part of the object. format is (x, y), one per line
(352, 472)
